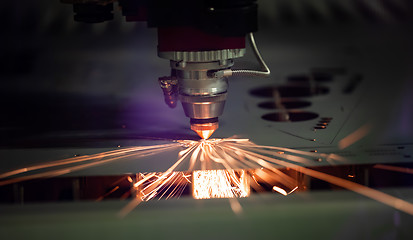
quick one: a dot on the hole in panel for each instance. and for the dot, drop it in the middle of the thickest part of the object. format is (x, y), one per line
(284, 104)
(290, 116)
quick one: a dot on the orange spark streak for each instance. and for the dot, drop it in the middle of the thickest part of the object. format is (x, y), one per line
(194, 156)
(394, 168)
(250, 145)
(148, 188)
(280, 190)
(138, 152)
(50, 164)
(235, 206)
(129, 207)
(231, 153)
(283, 155)
(55, 173)
(355, 136)
(107, 194)
(363, 190)
(273, 174)
(238, 153)
(248, 157)
(130, 179)
(144, 179)
(81, 159)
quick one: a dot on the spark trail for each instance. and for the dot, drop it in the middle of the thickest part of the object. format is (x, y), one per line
(78, 163)
(231, 155)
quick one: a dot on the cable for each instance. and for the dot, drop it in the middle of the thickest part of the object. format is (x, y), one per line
(264, 72)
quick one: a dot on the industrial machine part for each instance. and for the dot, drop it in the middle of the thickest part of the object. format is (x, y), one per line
(200, 38)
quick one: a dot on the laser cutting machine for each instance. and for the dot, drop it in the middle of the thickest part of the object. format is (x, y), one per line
(201, 39)
(341, 84)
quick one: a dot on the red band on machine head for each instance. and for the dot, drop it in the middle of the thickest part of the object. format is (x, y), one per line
(192, 39)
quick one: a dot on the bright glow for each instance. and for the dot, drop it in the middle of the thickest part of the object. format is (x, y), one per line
(282, 191)
(205, 134)
(220, 184)
(130, 179)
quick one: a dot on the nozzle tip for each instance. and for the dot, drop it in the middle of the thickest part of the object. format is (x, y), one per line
(205, 134)
(204, 130)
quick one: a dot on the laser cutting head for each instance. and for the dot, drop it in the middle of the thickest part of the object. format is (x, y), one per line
(201, 92)
(200, 38)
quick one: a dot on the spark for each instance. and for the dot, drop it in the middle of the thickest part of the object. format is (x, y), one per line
(394, 168)
(220, 184)
(187, 177)
(282, 191)
(226, 163)
(115, 188)
(130, 179)
(129, 207)
(159, 185)
(107, 194)
(235, 206)
(234, 153)
(355, 136)
(87, 161)
(361, 189)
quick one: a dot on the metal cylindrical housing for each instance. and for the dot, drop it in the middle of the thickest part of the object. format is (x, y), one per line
(195, 78)
(202, 107)
(203, 86)
(201, 92)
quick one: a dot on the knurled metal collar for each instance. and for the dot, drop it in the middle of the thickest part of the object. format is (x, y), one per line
(203, 56)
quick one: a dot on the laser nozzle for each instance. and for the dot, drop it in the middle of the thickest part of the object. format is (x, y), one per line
(204, 127)
(204, 134)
